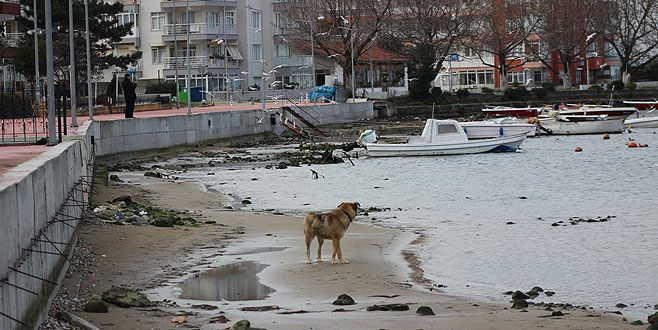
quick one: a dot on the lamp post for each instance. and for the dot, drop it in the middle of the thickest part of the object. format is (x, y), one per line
(187, 58)
(261, 55)
(176, 59)
(74, 120)
(50, 74)
(36, 60)
(90, 102)
(351, 54)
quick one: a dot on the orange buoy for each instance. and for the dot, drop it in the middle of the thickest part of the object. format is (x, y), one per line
(643, 145)
(578, 149)
(632, 144)
(606, 136)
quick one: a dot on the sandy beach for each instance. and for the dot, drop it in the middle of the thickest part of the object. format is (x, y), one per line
(382, 270)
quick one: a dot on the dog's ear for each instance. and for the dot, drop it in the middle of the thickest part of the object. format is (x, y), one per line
(356, 205)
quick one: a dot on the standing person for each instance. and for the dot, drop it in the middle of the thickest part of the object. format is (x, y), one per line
(128, 85)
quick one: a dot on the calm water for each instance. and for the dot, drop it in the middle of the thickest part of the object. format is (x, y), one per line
(463, 204)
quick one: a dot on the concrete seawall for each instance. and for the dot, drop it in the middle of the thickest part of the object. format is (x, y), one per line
(43, 200)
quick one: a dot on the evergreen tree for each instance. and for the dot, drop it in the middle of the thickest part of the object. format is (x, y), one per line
(104, 32)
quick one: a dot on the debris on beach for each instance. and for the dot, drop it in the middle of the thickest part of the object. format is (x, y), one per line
(219, 319)
(425, 310)
(344, 299)
(124, 297)
(653, 318)
(260, 308)
(179, 319)
(123, 210)
(243, 325)
(388, 307)
(96, 306)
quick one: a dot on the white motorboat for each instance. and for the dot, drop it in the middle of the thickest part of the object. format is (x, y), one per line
(643, 122)
(507, 126)
(444, 137)
(590, 110)
(568, 125)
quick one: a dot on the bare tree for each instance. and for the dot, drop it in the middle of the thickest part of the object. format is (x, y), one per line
(570, 27)
(633, 32)
(432, 29)
(341, 28)
(503, 29)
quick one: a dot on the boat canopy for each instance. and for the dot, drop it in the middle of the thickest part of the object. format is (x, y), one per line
(442, 131)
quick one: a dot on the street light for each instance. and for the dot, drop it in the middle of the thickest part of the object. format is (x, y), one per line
(187, 58)
(345, 21)
(261, 55)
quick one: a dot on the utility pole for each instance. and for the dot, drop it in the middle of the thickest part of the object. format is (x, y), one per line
(176, 59)
(37, 90)
(187, 57)
(52, 133)
(90, 101)
(74, 119)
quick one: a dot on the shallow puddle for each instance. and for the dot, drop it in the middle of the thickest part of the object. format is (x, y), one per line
(231, 282)
(258, 250)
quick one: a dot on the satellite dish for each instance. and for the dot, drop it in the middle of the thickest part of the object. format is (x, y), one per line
(202, 69)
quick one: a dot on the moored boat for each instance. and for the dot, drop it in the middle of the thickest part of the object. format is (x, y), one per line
(611, 112)
(580, 124)
(511, 111)
(643, 122)
(497, 127)
(642, 105)
(444, 137)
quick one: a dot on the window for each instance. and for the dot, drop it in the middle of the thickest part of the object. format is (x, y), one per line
(125, 18)
(184, 17)
(469, 52)
(255, 19)
(229, 18)
(445, 129)
(256, 52)
(157, 21)
(182, 51)
(157, 54)
(282, 50)
(516, 77)
(212, 19)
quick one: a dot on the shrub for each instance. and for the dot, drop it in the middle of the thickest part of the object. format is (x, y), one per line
(161, 87)
(487, 90)
(515, 94)
(541, 92)
(617, 84)
(631, 85)
(597, 88)
(549, 86)
(462, 93)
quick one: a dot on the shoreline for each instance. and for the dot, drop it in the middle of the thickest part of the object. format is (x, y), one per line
(379, 273)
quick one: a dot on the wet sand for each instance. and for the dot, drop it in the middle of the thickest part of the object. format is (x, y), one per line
(382, 265)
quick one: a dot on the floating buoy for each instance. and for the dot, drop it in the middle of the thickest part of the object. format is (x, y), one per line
(643, 145)
(578, 149)
(632, 144)
(606, 136)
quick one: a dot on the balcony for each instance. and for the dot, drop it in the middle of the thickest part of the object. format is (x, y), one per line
(9, 10)
(133, 38)
(13, 39)
(297, 60)
(286, 30)
(170, 63)
(129, 5)
(199, 31)
(198, 3)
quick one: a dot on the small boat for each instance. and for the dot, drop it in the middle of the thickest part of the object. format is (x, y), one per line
(444, 137)
(581, 124)
(611, 112)
(507, 126)
(643, 122)
(511, 111)
(642, 105)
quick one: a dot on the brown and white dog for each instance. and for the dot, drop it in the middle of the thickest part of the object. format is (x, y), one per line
(332, 225)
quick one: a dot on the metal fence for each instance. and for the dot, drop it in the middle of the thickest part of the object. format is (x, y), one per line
(20, 121)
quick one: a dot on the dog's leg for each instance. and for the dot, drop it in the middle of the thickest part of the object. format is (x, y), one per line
(308, 239)
(320, 241)
(339, 252)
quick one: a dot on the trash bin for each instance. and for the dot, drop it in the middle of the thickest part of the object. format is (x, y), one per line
(195, 94)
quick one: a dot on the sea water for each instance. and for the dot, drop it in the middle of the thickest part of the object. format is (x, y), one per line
(498, 222)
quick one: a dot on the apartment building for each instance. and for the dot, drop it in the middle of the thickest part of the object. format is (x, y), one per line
(231, 42)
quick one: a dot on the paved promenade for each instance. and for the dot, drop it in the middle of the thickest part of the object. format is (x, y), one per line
(12, 155)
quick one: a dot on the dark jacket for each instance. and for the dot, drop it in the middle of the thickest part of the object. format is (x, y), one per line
(129, 89)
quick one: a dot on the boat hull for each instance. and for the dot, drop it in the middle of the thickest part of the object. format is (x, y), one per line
(645, 122)
(476, 130)
(582, 127)
(504, 144)
(514, 112)
(640, 105)
(612, 113)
